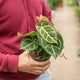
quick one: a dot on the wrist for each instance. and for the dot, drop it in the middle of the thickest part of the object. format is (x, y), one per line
(19, 63)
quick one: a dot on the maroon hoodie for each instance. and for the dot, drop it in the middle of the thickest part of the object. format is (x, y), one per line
(17, 16)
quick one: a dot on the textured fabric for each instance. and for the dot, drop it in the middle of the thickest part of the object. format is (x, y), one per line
(17, 16)
(45, 76)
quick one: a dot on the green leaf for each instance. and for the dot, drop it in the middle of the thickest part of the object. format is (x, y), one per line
(20, 35)
(29, 43)
(33, 33)
(45, 54)
(77, 11)
(52, 49)
(39, 49)
(47, 31)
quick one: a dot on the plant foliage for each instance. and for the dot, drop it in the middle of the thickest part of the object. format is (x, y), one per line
(46, 38)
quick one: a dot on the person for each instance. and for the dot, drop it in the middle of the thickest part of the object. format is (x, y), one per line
(20, 16)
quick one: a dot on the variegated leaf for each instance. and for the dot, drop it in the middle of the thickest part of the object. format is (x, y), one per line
(29, 43)
(39, 49)
(47, 31)
(52, 49)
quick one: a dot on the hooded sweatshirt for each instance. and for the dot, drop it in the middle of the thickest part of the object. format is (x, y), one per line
(17, 16)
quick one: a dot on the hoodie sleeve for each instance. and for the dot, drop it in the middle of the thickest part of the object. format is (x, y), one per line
(8, 63)
(46, 10)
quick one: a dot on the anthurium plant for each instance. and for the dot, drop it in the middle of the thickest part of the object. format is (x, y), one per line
(46, 42)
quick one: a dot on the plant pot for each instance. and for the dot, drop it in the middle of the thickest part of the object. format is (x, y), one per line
(60, 4)
(37, 58)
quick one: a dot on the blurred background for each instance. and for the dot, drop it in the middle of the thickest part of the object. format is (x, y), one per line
(66, 19)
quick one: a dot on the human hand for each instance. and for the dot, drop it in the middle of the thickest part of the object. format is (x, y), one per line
(27, 64)
(63, 55)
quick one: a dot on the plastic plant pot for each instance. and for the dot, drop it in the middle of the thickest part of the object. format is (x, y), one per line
(39, 60)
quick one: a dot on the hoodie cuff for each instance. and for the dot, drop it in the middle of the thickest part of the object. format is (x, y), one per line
(13, 63)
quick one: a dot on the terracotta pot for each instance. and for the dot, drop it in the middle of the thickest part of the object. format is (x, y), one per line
(39, 60)
(60, 4)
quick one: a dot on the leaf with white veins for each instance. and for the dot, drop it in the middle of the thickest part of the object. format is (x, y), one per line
(29, 43)
(52, 49)
(47, 31)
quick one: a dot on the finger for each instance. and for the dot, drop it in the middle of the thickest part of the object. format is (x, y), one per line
(41, 64)
(42, 68)
(38, 72)
(65, 56)
(32, 70)
(61, 55)
(25, 52)
(46, 67)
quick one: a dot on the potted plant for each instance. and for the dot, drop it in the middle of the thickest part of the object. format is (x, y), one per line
(60, 3)
(46, 42)
(52, 4)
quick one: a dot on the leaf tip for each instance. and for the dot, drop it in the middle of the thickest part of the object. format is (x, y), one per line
(19, 35)
(42, 18)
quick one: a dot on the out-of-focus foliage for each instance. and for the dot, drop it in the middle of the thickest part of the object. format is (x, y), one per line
(79, 52)
(71, 2)
(77, 11)
(53, 3)
(59, 1)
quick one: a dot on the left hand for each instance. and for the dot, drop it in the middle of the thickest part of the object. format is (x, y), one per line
(63, 55)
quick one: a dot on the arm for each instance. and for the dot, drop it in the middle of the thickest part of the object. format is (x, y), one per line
(23, 63)
(46, 10)
(8, 63)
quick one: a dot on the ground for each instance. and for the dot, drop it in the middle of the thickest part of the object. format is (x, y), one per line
(65, 21)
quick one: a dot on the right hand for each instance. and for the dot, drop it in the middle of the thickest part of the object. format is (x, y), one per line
(27, 64)
(63, 55)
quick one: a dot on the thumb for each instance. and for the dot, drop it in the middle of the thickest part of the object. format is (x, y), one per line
(25, 53)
